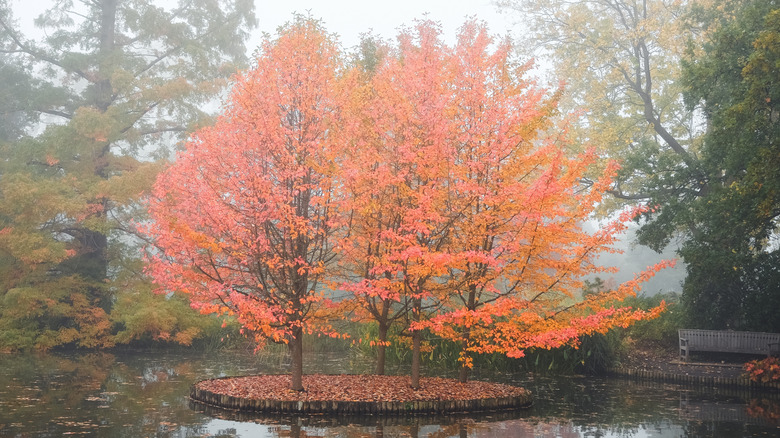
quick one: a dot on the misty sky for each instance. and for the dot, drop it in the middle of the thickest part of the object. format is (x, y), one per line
(350, 18)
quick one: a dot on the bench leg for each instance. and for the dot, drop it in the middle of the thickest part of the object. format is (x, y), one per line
(684, 350)
(774, 349)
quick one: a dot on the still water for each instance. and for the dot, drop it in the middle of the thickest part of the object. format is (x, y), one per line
(145, 395)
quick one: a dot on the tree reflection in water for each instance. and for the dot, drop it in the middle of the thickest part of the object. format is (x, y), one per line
(146, 394)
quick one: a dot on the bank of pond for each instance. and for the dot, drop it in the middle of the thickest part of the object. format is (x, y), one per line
(146, 394)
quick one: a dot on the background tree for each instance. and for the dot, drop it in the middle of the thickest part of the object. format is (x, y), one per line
(14, 90)
(243, 218)
(622, 61)
(732, 247)
(110, 84)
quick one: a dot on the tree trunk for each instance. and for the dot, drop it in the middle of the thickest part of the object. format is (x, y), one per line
(107, 47)
(95, 243)
(296, 354)
(384, 326)
(381, 349)
(463, 374)
(416, 341)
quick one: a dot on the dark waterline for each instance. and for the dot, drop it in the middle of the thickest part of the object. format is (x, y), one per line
(145, 395)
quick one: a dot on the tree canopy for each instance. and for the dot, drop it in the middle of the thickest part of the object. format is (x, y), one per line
(433, 181)
(732, 249)
(620, 63)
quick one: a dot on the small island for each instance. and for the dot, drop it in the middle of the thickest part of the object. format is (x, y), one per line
(357, 394)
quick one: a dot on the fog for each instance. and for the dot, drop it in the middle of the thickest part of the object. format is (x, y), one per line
(636, 258)
(347, 18)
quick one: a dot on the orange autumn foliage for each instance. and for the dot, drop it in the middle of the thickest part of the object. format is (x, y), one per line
(463, 198)
(242, 218)
(434, 189)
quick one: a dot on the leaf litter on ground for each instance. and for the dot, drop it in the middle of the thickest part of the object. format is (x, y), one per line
(360, 388)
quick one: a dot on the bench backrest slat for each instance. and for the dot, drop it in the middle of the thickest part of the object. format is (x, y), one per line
(729, 341)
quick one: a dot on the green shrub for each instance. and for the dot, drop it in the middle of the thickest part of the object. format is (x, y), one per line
(594, 354)
(143, 318)
(659, 333)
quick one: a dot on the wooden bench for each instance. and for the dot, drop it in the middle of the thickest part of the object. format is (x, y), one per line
(727, 341)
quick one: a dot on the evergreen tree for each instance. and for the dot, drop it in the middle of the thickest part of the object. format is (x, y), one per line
(112, 83)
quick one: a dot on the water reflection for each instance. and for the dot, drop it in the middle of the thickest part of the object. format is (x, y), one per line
(506, 429)
(145, 394)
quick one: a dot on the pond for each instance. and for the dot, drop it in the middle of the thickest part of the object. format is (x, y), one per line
(146, 395)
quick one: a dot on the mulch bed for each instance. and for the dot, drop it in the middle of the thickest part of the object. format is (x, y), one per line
(357, 394)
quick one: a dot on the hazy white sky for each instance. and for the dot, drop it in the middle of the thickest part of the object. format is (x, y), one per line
(350, 18)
